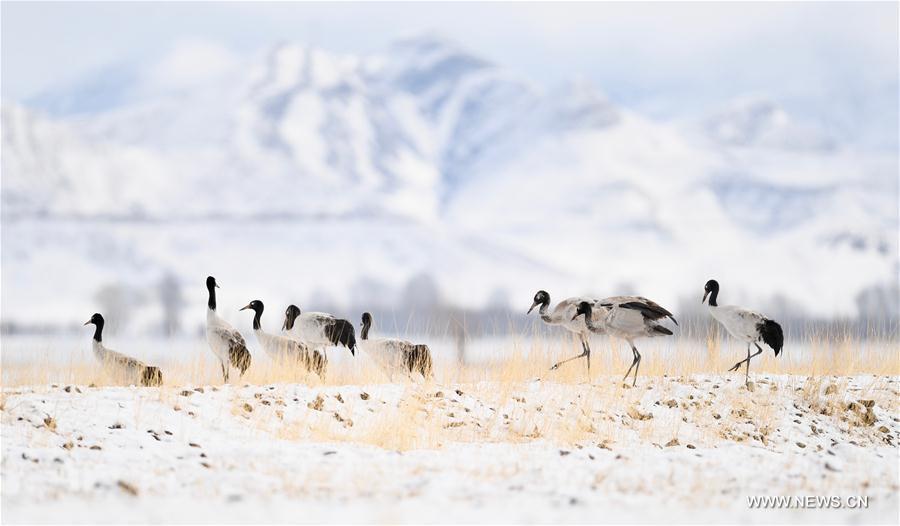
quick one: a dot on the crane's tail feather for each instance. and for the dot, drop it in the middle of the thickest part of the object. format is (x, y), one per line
(341, 332)
(770, 333)
(239, 356)
(151, 376)
(662, 330)
(419, 360)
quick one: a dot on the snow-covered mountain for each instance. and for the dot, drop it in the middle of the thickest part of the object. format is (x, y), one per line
(428, 159)
(758, 122)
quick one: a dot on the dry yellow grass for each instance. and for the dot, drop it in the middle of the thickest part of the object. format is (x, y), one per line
(572, 408)
(519, 358)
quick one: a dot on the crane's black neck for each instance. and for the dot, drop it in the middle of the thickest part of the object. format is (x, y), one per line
(212, 296)
(290, 315)
(256, 317)
(364, 334)
(713, 294)
(589, 317)
(98, 330)
(543, 311)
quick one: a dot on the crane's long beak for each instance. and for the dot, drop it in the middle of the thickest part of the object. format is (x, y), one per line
(705, 294)
(87, 322)
(533, 305)
(246, 307)
(576, 315)
(284, 325)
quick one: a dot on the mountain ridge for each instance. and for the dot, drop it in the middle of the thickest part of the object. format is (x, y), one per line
(429, 134)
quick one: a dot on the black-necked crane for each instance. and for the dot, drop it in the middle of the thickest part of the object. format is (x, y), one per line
(563, 315)
(284, 348)
(394, 355)
(744, 325)
(628, 318)
(318, 329)
(126, 366)
(224, 340)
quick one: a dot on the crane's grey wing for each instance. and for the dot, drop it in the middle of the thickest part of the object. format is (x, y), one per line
(238, 353)
(122, 360)
(297, 347)
(750, 317)
(320, 319)
(316, 325)
(649, 309)
(567, 308)
(148, 375)
(312, 360)
(230, 337)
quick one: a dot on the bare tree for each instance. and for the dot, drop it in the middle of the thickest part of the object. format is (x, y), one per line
(371, 294)
(878, 302)
(499, 300)
(117, 303)
(459, 336)
(172, 302)
(421, 293)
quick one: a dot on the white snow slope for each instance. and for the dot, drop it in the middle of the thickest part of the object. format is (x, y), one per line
(682, 450)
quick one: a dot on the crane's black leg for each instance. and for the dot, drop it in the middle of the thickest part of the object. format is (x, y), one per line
(747, 360)
(633, 363)
(757, 353)
(736, 366)
(637, 366)
(586, 352)
(747, 373)
(567, 360)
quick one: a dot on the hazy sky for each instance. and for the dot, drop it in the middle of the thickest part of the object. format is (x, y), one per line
(661, 57)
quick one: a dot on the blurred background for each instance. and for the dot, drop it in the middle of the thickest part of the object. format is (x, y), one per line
(437, 164)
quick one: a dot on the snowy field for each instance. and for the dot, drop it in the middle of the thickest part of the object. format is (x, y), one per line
(496, 443)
